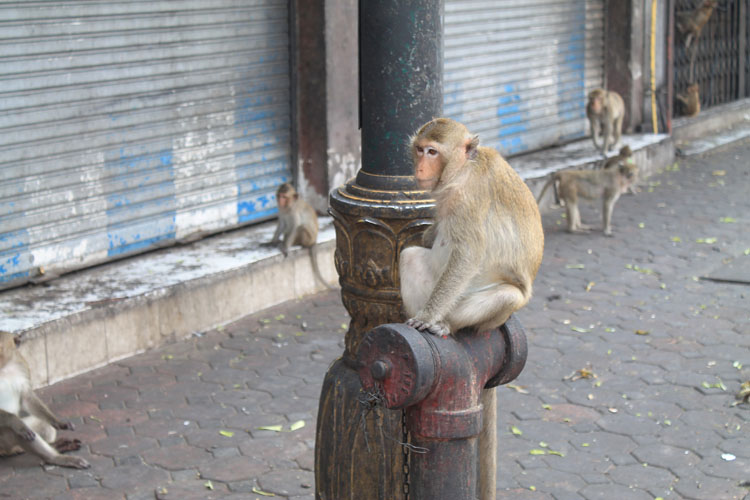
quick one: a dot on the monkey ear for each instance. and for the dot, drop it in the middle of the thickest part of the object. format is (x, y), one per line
(471, 147)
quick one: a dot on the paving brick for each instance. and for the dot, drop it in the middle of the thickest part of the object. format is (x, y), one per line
(234, 469)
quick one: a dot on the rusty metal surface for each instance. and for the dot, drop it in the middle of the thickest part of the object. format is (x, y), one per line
(439, 381)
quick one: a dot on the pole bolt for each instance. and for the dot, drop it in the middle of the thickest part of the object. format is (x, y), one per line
(380, 370)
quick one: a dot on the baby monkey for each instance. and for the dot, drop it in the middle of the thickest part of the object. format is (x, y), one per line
(25, 421)
(691, 100)
(607, 183)
(298, 225)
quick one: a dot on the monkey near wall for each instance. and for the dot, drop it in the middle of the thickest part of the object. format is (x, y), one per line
(25, 421)
(605, 110)
(297, 225)
(691, 100)
(690, 24)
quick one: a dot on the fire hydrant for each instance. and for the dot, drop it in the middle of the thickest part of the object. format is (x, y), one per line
(439, 382)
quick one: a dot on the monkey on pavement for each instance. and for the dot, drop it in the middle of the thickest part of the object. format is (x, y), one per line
(606, 183)
(486, 248)
(605, 111)
(25, 421)
(298, 225)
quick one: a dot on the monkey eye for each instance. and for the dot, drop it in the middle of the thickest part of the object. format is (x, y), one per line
(432, 152)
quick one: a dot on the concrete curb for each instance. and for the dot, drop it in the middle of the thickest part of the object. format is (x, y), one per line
(101, 331)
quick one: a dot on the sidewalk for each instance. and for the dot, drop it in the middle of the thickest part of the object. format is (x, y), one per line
(665, 351)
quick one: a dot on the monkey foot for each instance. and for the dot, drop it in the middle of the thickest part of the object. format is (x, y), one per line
(62, 445)
(439, 329)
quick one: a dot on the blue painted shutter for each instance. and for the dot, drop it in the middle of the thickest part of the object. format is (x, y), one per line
(517, 72)
(128, 125)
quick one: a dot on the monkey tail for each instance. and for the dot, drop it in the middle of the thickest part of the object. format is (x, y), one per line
(552, 180)
(316, 269)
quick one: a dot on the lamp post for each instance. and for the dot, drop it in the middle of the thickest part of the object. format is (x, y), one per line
(376, 215)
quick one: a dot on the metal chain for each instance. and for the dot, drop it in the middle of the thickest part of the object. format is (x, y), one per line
(373, 401)
(405, 440)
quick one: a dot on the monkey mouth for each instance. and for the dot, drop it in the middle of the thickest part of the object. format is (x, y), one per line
(426, 184)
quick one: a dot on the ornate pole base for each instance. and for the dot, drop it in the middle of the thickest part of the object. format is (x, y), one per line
(357, 455)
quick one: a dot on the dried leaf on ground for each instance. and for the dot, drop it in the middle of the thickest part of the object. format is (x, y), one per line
(744, 394)
(517, 388)
(275, 428)
(707, 241)
(579, 374)
(261, 492)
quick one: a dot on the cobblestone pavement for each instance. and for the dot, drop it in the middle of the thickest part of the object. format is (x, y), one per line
(628, 393)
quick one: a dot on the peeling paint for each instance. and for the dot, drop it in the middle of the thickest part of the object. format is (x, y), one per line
(342, 167)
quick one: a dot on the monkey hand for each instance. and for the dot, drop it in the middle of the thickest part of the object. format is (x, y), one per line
(24, 431)
(68, 426)
(436, 328)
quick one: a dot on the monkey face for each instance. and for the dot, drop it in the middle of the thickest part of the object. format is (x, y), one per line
(428, 165)
(596, 105)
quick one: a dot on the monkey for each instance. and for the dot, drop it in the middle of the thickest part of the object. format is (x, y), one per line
(605, 110)
(481, 255)
(624, 156)
(26, 423)
(298, 225)
(691, 100)
(690, 24)
(607, 183)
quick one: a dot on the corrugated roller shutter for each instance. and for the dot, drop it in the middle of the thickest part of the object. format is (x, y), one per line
(517, 71)
(127, 125)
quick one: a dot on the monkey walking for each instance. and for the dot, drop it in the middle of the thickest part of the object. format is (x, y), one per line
(25, 421)
(605, 110)
(607, 184)
(298, 225)
(481, 255)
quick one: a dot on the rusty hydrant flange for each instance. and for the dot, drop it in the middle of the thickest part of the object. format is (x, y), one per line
(440, 378)
(516, 352)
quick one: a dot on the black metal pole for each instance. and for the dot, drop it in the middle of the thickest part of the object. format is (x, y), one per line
(401, 83)
(377, 214)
